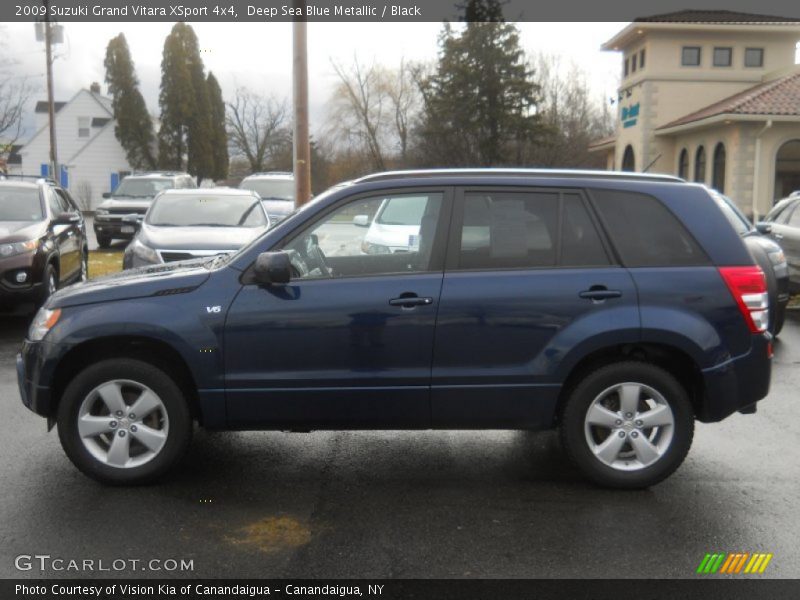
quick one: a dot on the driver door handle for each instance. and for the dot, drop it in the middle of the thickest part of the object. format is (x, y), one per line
(410, 301)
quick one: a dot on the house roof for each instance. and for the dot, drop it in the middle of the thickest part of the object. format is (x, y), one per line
(712, 16)
(41, 106)
(602, 143)
(780, 97)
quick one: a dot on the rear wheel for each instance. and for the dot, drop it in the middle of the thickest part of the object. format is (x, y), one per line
(627, 425)
(778, 318)
(123, 422)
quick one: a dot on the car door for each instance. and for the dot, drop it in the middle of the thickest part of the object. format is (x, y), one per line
(528, 279)
(348, 342)
(63, 236)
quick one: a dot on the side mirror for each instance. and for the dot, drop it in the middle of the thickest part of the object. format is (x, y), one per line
(68, 218)
(106, 195)
(764, 228)
(273, 268)
(361, 221)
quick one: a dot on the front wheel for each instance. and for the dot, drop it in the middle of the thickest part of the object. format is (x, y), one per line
(123, 422)
(627, 425)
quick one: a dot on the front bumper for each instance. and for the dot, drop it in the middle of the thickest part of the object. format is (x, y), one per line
(116, 228)
(737, 384)
(29, 367)
(11, 292)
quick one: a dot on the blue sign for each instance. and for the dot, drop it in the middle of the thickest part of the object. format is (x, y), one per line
(629, 115)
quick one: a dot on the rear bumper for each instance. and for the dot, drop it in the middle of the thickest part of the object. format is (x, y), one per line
(737, 383)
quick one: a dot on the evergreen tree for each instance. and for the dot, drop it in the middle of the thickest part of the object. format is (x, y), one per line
(219, 137)
(185, 122)
(134, 127)
(480, 103)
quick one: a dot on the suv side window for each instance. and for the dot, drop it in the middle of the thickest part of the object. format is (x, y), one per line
(645, 232)
(63, 201)
(387, 234)
(503, 230)
(794, 218)
(53, 202)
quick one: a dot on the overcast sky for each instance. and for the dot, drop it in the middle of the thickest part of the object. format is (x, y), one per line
(258, 55)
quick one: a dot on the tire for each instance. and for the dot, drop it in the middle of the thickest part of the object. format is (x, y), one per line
(103, 241)
(114, 451)
(84, 273)
(778, 319)
(658, 451)
(49, 283)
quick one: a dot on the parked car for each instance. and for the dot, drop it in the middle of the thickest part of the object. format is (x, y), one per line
(120, 215)
(616, 307)
(769, 256)
(187, 224)
(782, 224)
(42, 241)
(276, 189)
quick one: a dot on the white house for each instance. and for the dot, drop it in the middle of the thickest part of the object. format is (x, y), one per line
(92, 159)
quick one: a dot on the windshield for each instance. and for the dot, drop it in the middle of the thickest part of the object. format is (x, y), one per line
(185, 210)
(20, 204)
(274, 189)
(143, 188)
(405, 210)
(736, 218)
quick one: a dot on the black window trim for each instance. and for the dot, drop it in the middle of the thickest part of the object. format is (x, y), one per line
(441, 237)
(744, 57)
(453, 256)
(606, 229)
(714, 57)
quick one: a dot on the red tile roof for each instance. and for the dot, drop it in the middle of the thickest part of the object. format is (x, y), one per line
(777, 97)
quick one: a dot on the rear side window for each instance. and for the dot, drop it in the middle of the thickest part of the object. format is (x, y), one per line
(645, 232)
(506, 230)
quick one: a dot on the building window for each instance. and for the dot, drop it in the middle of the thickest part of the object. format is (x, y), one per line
(84, 127)
(625, 69)
(754, 57)
(683, 164)
(700, 165)
(633, 63)
(718, 176)
(641, 59)
(628, 160)
(690, 56)
(723, 57)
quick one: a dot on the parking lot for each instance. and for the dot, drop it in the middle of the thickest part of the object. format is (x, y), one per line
(408, 504)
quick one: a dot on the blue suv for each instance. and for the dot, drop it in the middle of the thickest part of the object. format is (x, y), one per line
(618, 308)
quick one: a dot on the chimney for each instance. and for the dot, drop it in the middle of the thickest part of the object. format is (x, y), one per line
(94, 88)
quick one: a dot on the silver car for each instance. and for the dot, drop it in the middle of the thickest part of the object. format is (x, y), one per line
(187, 224)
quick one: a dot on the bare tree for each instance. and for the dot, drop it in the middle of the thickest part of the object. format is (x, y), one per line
(405, 101)
(573, 114)
(258, 127)
(14, 94)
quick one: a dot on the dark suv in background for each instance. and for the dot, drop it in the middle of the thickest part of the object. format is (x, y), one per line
(121, 214)
(42, 241)
(619, 308)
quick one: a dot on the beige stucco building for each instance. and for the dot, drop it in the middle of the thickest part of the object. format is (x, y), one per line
(712, 96)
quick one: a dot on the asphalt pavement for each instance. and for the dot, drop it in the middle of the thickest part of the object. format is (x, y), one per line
(407, 504)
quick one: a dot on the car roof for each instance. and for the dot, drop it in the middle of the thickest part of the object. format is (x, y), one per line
(271, 175)
(156, 175)
(215, 191)
(20, 184)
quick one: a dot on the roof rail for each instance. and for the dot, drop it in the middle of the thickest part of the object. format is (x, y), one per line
(270, 173)
(34, 178)
(565, 173)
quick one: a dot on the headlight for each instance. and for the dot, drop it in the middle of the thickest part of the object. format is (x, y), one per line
(370, 248)
(18, 248)
(145, 253)
(101, 211)
(43, 322)
(777, 258)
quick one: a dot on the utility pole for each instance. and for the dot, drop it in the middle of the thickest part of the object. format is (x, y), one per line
(51, 111)
(302, 149)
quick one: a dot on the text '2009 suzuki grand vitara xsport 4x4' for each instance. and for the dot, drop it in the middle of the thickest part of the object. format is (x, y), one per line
(618, 308)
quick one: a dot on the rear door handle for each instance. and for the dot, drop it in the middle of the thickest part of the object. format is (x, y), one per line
(597, 294)
(410, 301)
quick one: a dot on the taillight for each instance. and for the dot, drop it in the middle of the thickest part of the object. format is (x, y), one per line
(749, 288)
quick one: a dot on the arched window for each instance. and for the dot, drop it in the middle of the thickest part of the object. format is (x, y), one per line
(700, 165)
(683, 164)
(787, 169)
(718, 175)
(628, 160)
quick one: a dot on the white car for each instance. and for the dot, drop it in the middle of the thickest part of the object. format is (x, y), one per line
(395, 226)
